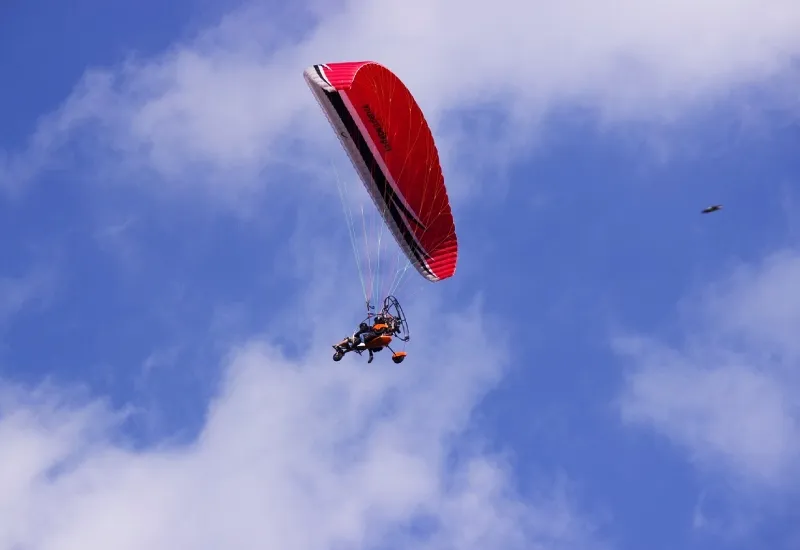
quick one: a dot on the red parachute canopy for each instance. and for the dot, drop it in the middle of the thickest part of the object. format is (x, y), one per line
(391, 146)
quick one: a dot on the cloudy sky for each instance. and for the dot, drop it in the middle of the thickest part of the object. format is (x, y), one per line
(607, 369)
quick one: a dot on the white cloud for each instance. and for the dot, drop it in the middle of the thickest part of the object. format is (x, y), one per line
(19, 292)
(294, 454)
(729, 394)
(231, 108)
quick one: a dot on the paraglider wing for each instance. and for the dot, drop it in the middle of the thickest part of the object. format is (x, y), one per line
(391, 146)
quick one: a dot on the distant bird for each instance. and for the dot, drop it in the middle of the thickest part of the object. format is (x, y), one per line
(712, 208)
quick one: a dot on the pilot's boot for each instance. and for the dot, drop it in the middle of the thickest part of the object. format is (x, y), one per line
(361, 345)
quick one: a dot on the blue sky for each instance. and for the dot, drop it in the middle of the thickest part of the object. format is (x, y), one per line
(608, 368)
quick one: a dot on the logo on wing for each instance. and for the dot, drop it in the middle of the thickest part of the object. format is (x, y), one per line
(373, 119)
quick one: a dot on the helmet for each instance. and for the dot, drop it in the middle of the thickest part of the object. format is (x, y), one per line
(363, 326)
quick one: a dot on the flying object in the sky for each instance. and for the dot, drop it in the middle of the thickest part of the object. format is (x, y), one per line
(390, 144)
(712, 208)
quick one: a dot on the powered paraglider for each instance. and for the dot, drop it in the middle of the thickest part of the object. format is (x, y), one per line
(384, 133)
(376, 332)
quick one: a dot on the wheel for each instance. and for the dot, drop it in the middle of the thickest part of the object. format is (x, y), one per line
(338, 356)
(398, 357)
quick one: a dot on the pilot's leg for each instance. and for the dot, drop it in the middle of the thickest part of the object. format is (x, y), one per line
(365, 337)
